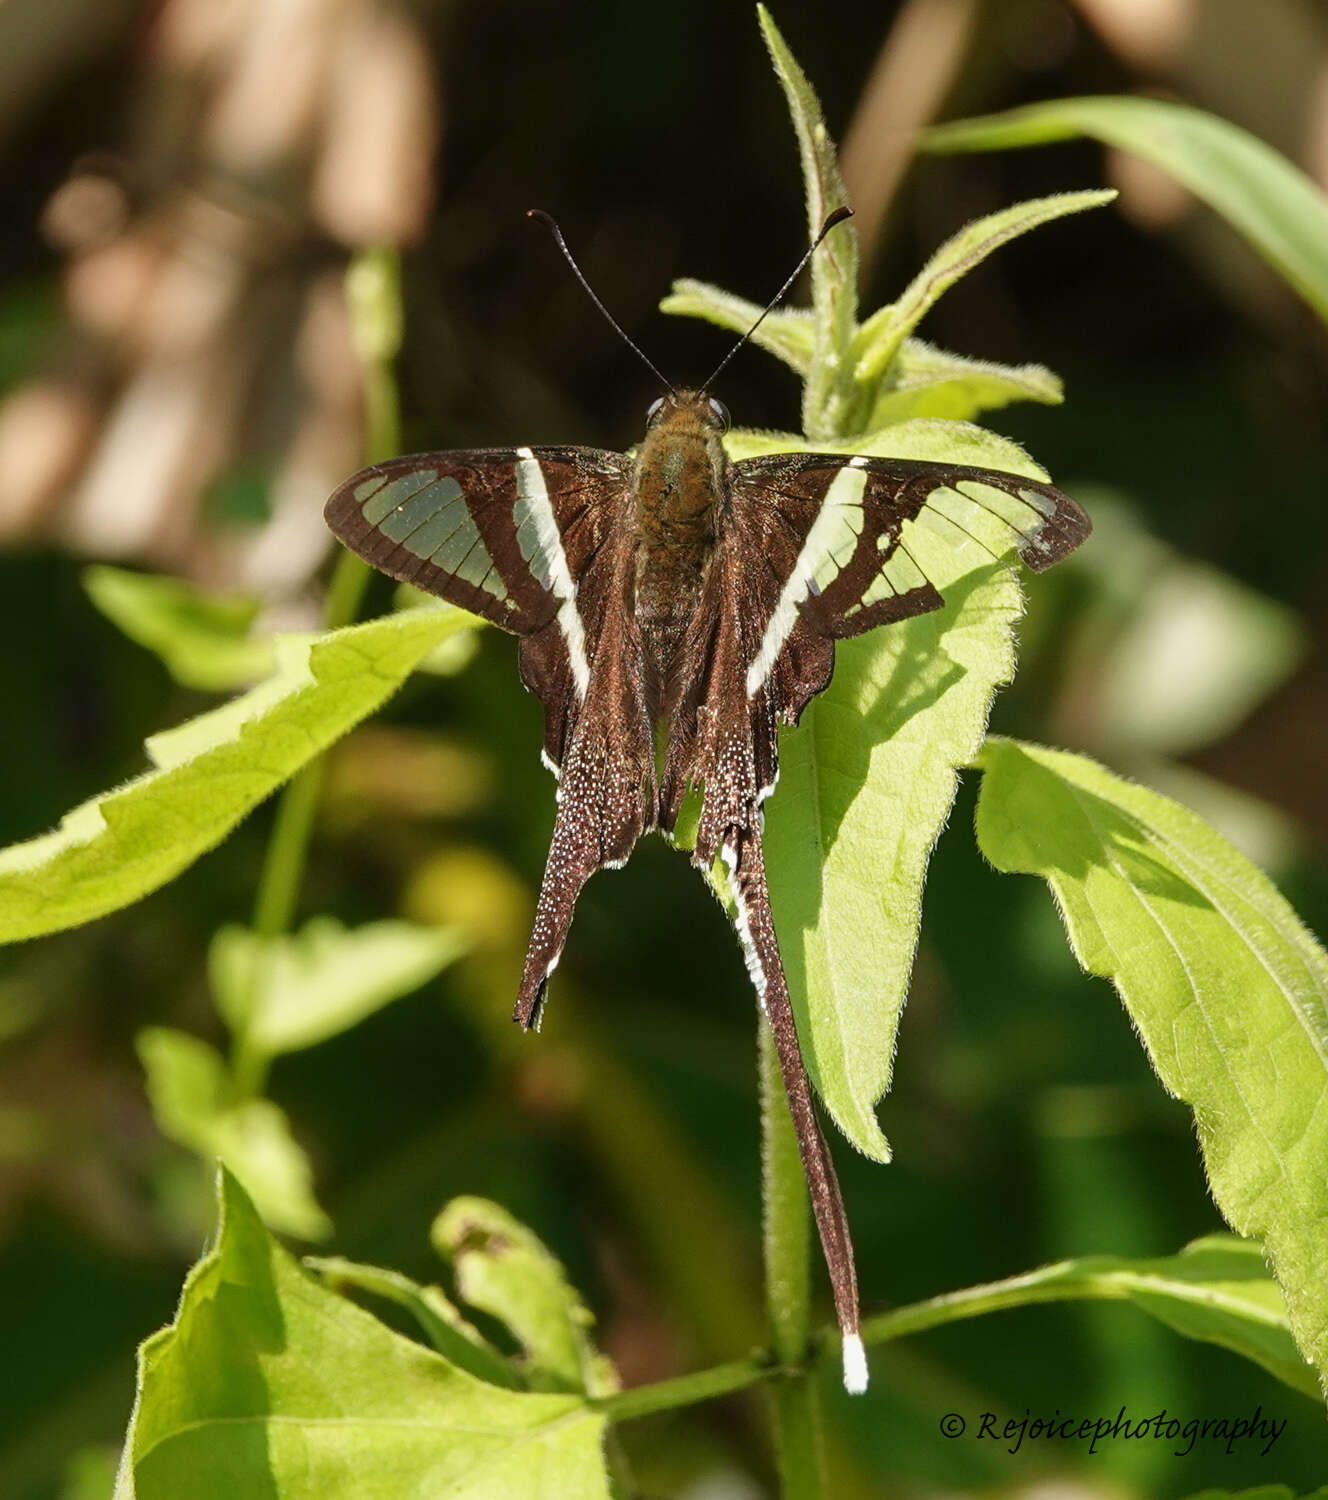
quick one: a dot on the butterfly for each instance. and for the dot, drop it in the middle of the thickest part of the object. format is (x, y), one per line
(672, 596)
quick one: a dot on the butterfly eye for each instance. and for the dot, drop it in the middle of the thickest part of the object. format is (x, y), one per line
(656, 407)
(721, 413)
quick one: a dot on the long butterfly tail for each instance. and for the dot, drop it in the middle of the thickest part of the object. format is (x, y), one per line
(756, 929)
(564, 876)
(603, 803)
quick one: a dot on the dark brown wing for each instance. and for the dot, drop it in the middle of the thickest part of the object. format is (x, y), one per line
(531, 540)
(836, 532)
(603, 743)
(511, 534)
(503, 532)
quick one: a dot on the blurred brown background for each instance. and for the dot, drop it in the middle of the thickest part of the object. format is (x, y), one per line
(184, 182)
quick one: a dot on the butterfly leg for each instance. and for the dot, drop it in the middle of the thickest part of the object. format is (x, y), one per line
(743, 854)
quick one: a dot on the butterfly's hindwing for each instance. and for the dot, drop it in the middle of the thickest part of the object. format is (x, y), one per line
(603, 748)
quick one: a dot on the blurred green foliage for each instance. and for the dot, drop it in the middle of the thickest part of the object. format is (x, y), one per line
(1026, 1125)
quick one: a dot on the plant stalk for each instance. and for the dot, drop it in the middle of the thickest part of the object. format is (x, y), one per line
(373, 293)
(786, 1243)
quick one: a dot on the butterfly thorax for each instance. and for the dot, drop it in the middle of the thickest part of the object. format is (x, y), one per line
(679, 483)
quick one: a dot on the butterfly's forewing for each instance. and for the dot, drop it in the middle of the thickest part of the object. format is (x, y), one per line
(503, 532)
(510, 534)
(847, 521)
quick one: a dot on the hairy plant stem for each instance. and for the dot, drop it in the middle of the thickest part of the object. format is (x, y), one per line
(786, 1243)
(1054, 1283)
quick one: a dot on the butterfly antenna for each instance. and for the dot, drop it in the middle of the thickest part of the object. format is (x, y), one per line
(838, 217)
(538, 213)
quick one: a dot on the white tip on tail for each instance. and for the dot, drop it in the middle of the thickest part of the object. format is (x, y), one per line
(855, 1364)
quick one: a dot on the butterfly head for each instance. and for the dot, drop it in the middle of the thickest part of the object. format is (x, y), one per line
(688, 409)
(682, 458)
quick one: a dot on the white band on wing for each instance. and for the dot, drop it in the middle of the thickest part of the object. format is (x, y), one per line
(830, 545)
(542, 547)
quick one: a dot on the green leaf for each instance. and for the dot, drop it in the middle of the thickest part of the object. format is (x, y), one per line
(504, 1269)
(194, 1102)
(279, 994)
(786, 333)
(1277, 208)
(866, 785)
(205, 640)
(268, 1384)
(450, 1334)
(930, 382)
(1263, 1492)
(879, 339)
(452, 655)
(209, 773)
(1226, 988)
(1217, 1290)
(828, 392)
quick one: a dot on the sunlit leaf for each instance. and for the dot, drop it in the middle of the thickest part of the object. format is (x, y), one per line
(279, 994)
(205, 640)
(878, 340)
(440, 1322)
(1282, 213)
(1226, 988)
(267, 1383)
(787, 333)
(449, 656)
(210, 772)
(827, 393)
(503, 1269)
(866, 784)
(1217, 1290)
(930, 382)
(193, 1103)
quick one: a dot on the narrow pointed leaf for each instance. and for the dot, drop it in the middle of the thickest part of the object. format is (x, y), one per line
(504, 1269)
(834, 268)
(1278, 209)
(279, 994)
(866, 784)
(879, 338)
(786, 333)
(1226, 988)
(1217, 1290)
(930, 382)
(269, 1384)
(210, 772)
